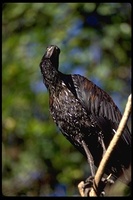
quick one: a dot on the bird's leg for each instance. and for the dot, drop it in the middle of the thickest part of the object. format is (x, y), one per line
(89, 182)
(89, 157)
(100, 138)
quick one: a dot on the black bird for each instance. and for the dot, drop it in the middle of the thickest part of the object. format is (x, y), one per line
(85, 114)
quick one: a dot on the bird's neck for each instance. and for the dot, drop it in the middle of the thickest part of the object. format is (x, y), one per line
(51, 76)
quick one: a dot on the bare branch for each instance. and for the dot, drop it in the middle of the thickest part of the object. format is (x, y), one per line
(111, 146)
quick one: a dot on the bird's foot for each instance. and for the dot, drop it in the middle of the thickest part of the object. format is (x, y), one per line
(89, 183)
(85, 186)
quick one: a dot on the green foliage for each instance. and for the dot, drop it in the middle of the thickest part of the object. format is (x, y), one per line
(95, 39)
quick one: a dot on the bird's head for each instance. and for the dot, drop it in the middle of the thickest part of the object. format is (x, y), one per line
(52, 53)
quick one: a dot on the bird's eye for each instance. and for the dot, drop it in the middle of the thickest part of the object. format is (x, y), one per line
(57, 49)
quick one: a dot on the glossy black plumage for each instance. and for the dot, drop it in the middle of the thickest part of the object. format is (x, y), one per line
(83, 111)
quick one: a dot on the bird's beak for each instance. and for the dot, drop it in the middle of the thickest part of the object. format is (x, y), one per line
(49, 52)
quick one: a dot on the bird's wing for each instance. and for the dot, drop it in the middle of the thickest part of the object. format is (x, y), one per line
(99, 105)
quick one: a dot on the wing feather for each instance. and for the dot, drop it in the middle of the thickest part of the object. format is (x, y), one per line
(99, 104)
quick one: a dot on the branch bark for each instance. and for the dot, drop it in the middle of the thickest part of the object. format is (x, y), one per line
(110, 148)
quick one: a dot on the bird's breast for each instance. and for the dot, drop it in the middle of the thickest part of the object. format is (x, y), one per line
(67, 111)
(73, 120)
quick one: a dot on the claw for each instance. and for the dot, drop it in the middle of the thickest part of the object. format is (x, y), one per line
(89, 183)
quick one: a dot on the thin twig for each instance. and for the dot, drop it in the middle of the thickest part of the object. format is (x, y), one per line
(111, 146)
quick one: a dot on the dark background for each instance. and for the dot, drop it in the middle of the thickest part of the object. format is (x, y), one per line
(95, 41)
